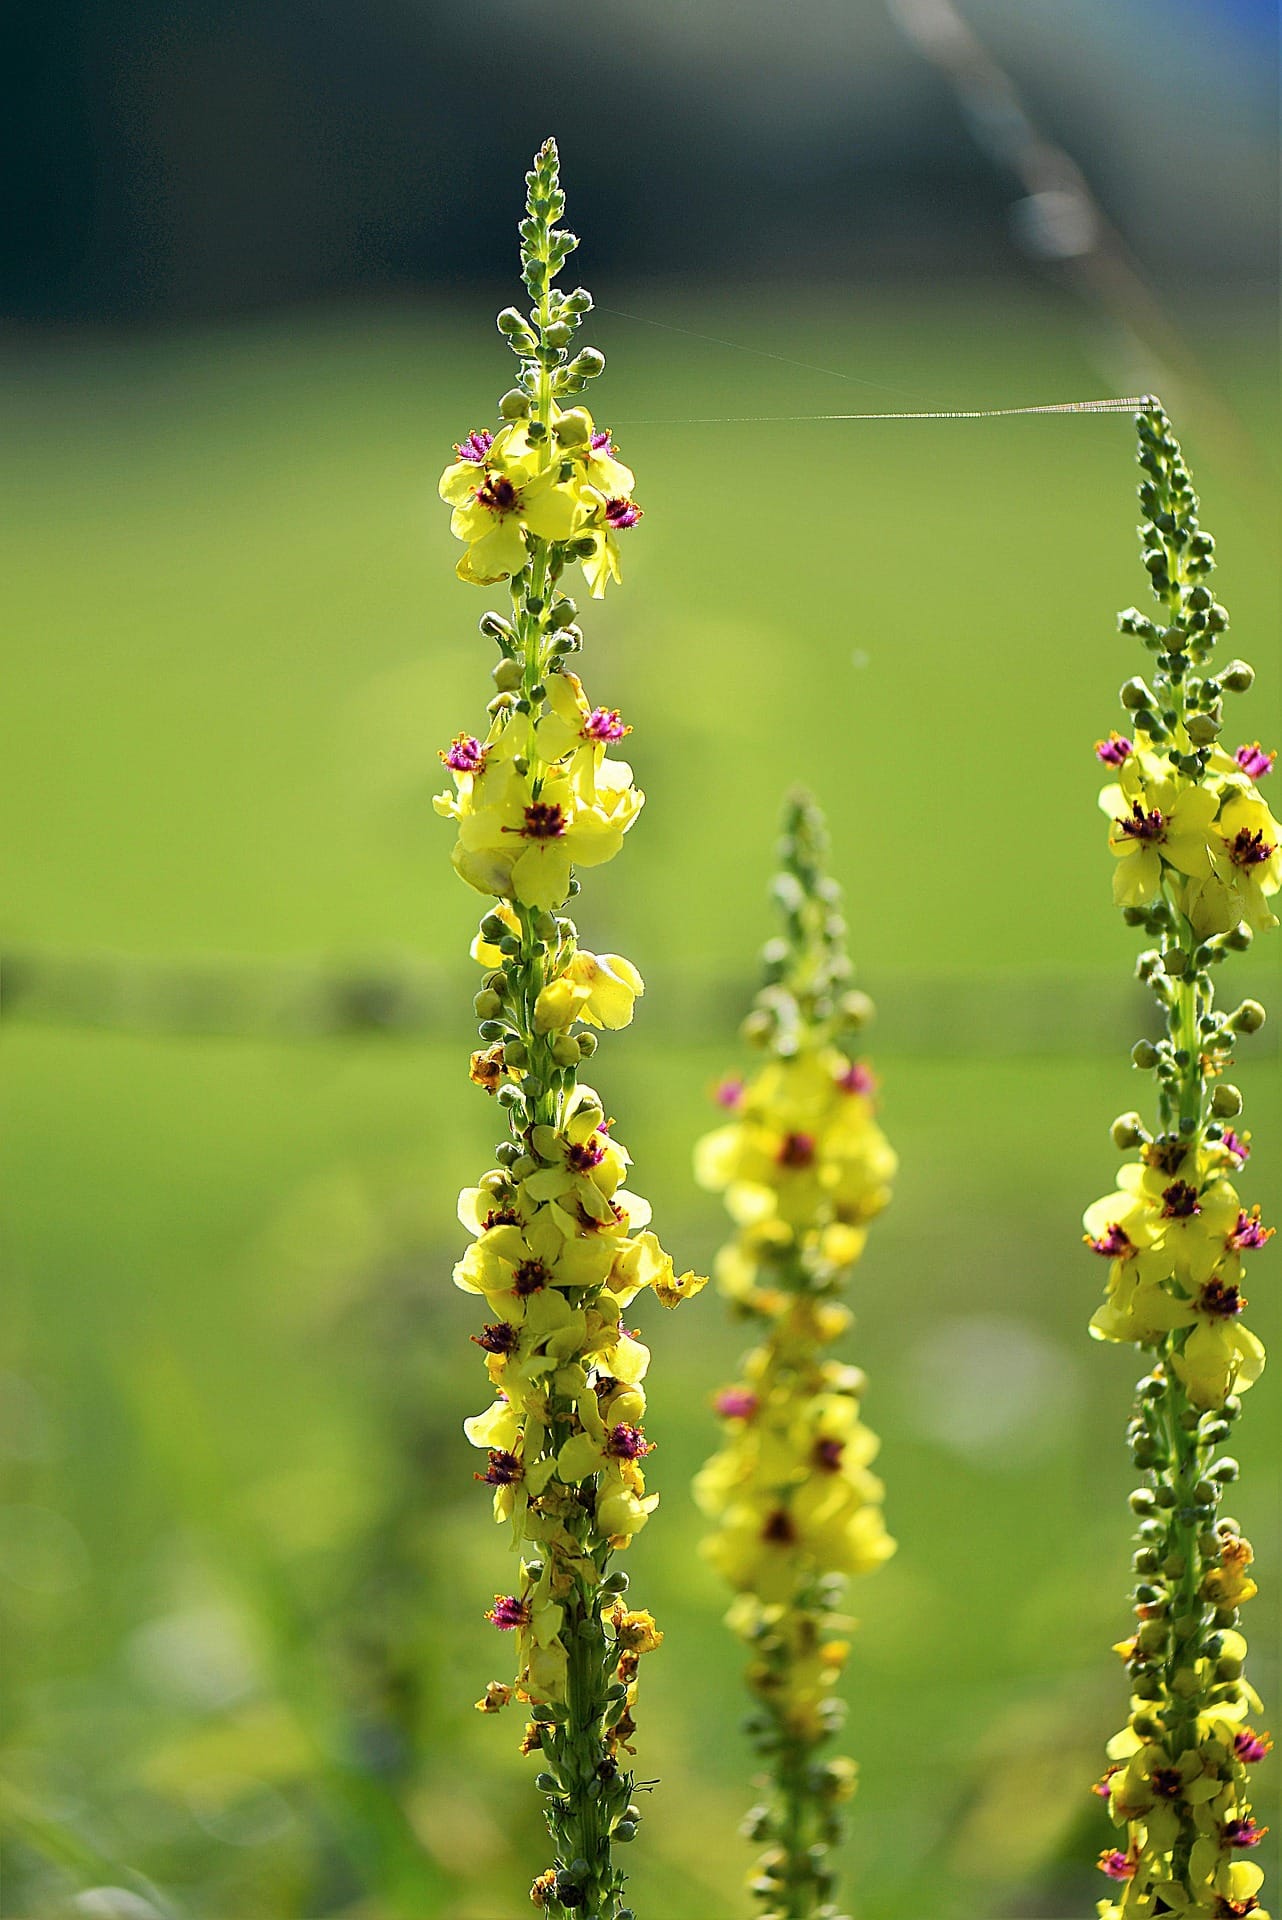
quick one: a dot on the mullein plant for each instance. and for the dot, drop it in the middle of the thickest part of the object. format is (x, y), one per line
(803, 1166)
(1197, 858)
(561, 1248)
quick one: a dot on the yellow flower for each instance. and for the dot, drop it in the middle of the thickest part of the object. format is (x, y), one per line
(635, 1629)
(519, 838)
(1251, 857)
(500, 490)
(597, 988)
(1156, 822)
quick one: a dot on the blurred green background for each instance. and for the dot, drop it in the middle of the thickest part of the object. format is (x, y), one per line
(243, 1564)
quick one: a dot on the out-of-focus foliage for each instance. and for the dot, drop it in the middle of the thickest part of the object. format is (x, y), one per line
(239, 1563)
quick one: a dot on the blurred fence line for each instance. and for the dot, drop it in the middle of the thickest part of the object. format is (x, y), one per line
(992, 1015)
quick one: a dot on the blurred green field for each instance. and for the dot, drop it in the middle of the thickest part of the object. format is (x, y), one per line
(242, 1560)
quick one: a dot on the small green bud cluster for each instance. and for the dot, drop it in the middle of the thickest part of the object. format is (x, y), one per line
(541, 340)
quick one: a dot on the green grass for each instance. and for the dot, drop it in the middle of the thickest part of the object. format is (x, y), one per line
(247, 1617)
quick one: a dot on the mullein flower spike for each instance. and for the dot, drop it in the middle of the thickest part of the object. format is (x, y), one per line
(804, 1167)
(560, 1246)
(1198, 859)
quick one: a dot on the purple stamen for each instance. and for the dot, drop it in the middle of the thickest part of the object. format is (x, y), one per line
(735, 1403)
(827, 1455)
(1255, 761)
(600, 442)
(1243, 1833)
(1219, 1301)
(530, 1277)
(582, 1156)
(1251, 1747)
(1115, 750)
(465, 754)
(1249, 1232)
(507, 1612)
(1117, 1865)
(1179, 1201)
(729, 1093)
(603, 723)
(796, 1150)
(1249, 849)
(499, 1337)
(542, 822)
(621, 514)
(476, 446)
(628, 1443)
(857, 1079)
(1236, 1144)
(504, 1469)
(498, 494)
(1143, 826)
(1113, 1243)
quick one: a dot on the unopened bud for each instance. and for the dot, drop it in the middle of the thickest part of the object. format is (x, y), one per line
(1238, 676)
(1134, 694)
(1249, 1018)
(514, 405)
(1204, 728)
(1144, 1055)
(506, 675)
(1128, 1131)
(574, 426)
(1226, 1100)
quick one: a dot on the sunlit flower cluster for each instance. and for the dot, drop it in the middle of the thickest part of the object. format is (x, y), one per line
(804, 1167)
(1198, 861)
(561, 1247)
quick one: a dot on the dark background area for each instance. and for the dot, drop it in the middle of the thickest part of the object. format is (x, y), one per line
(179, 158)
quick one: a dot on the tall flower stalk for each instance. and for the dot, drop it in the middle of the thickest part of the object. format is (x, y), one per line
(560, 1246)
(804, 1167)
(1197, 860)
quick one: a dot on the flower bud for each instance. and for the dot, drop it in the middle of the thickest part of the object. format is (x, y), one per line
(1128, 1131)
(574, 426)
(514, 405)
(1226, 1100)
(486, 1005)
(587, 364)
(513, 325)
(1249, 1017)
(1144, 1055)
(1204, 728)
(506, 675)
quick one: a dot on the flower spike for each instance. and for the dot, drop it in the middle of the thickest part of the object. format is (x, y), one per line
(1198, 859)
(795, 1508)
(560, 1246)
